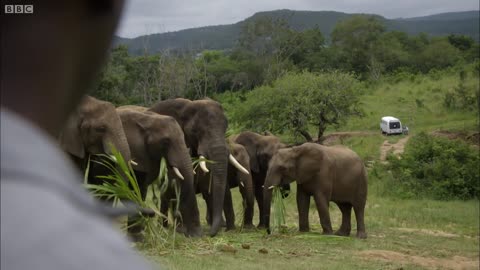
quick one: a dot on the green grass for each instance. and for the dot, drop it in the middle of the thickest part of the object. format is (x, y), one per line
(426, 228)
(422, 233)
(401, 99)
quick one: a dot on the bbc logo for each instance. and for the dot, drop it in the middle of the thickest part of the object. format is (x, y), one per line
(18, 9)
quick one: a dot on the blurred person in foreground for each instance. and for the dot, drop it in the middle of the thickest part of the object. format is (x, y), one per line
(48, 58)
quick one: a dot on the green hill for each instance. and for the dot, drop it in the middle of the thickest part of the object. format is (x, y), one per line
(224, 36)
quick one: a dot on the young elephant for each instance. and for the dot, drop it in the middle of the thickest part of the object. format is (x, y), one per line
(237, 176)
(152, 136)
(260, 149)
(328, 174)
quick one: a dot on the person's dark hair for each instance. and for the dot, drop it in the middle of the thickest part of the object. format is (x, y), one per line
(100, 7)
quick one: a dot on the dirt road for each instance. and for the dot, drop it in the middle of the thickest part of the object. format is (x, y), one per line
(397, 148)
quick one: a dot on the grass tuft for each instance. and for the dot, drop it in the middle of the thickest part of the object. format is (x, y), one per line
(122, 185)
(278, 211)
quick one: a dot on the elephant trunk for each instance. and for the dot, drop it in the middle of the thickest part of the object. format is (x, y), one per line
(272, 179)
(218, 153)
(119, 141)
(188, 201)
(267, 200)
(248, 196)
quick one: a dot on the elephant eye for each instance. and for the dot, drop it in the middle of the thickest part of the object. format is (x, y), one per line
(100, 129)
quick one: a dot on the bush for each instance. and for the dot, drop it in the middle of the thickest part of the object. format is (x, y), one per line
(438, 167)
(298, 101)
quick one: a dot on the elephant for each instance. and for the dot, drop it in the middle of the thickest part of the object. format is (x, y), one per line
(133, 108)
(204, 125)
(237, 177)
(152, 136)
(91, 128)
(333, 173)
(260, 149)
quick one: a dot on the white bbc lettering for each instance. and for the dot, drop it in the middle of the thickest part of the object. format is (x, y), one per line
(28, 9)
(8, 9)
(18, 9)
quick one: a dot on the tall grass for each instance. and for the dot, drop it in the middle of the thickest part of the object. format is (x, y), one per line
(122, 186)
(278, 210)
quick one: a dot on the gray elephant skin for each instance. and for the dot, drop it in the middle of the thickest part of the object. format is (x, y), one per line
(236, 178)
(204, 125)
(260, 149)
(152, 136)
(91, 128)
(328, 174)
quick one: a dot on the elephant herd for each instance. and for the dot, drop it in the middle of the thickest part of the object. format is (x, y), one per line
(178, 129)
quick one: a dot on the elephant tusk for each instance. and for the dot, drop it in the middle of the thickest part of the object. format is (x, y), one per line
(271, 187)
(177, 172)
(237, 165)
(241, 183)
(133, 163)
(203, 165)
(194, 172)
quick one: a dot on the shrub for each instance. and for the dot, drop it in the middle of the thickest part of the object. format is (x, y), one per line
(441, 168)
(297, 101)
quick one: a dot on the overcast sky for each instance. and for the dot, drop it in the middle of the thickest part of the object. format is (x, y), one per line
(156, 16)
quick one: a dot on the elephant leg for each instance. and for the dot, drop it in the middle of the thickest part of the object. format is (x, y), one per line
(359, 216)
(228, 209)
(323, 213)
(303, 206)
(135, 228)
(208, 201)
(164, 210)
(259, 198)
(345, 228)
(247, 213)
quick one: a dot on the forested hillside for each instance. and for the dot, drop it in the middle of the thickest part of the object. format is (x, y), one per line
(268, 49)
(222, 37)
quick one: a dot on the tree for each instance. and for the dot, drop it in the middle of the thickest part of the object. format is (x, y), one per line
(461, 42)
(297, 101)
(307, 49)
(113, 77)
(438, 54)
(355, 38)
(268, 43)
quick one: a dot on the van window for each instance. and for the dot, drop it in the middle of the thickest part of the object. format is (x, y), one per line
(394, 125)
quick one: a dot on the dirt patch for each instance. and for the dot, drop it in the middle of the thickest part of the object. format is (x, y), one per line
(455, 262)
(396, 148)
(472, 138)
(429, 232)
(332, 138)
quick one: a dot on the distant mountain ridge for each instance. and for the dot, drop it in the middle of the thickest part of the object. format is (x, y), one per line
(222, 37)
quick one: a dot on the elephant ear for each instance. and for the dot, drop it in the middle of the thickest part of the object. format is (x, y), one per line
(144, 124)
(252, 153)
(71, 139)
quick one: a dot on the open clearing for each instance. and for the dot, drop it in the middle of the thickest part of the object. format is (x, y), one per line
(402, 233)
(421, 234)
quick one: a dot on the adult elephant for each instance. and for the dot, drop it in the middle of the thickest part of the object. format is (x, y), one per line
(237, 177)
(91, 129)
(260, 149)
(152, 136)
(328, 174)
(204, 125)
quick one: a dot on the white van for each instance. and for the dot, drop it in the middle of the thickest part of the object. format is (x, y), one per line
(391, 125)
